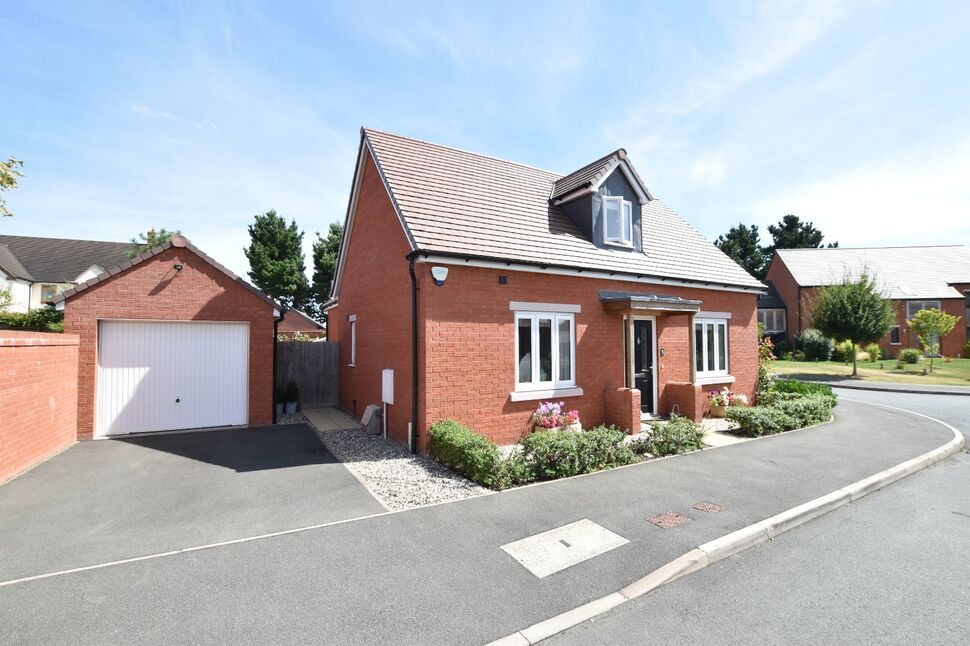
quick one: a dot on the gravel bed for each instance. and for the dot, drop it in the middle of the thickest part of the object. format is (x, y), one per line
(718, 424)
(397, 478)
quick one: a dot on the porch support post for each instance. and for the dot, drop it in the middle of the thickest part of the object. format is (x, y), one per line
(691, 349)
(629, 349)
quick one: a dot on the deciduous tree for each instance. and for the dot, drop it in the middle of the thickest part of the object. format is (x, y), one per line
(10, 173)
(854, 310)
(930, 326)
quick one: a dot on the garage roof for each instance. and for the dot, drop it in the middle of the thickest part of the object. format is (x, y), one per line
(176, 241)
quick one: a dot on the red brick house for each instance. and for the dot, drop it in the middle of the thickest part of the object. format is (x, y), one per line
(170, 340)
(295, 321)
(914, 278)
(487, 286)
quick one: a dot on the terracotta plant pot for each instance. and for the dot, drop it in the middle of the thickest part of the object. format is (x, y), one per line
(718, 411)
(575, 427)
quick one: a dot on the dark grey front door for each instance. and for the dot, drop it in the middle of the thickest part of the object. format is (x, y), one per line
(643, 363)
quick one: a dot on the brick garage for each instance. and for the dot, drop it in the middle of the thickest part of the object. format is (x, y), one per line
(172, 283)
(38, 397)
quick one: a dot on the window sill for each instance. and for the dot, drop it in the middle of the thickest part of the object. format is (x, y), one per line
(716, 379)
(553, 393)
(351, 365)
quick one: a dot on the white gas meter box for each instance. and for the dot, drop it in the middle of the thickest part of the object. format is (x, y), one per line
(387, 386)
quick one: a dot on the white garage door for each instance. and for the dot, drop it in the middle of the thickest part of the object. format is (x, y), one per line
(163, 376)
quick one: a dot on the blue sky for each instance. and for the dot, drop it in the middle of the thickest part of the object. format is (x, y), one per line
(197, 115)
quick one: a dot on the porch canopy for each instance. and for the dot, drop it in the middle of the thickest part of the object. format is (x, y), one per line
(632, 304)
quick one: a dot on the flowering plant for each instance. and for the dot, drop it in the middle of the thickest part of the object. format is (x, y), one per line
(553, 414)
(725, 397)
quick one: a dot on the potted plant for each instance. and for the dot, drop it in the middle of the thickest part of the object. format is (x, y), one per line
(278, 400)
(291, 395)
(553, 416)
(720, 400)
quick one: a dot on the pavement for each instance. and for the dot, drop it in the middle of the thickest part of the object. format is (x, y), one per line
(888, 569)
(883, 386)
(437, 574)
(121, 498)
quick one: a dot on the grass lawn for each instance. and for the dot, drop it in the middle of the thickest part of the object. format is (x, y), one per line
(955, 373)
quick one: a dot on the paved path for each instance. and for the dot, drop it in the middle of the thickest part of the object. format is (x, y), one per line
(437, 574)
(889, 569)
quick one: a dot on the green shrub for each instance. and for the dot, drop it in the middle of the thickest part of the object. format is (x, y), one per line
(874, 352)
(844, 351)
(909, 355)
(41, 319)
(815, 345)
(966, 350)
(560, 454)
(805, 411)
(679, 435)
(782, 348)
(465, 451)
(799, 356)
(805, 388)
(512, 471)
(756, 421)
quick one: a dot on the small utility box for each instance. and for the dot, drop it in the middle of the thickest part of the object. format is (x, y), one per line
(387, 386)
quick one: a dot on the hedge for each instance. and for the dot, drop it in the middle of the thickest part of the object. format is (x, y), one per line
(679, 435)
(787, 411)
(465, 451)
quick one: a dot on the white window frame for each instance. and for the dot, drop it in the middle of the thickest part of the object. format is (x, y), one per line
(353, 340)
(556, 318)
(707, 373)
(899, 335)
(774, 312)
(924, 305)
(625, 238)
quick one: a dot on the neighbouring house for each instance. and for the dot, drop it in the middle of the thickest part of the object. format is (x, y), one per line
(914, 278)
(295, 321)
(486, 286)
(170, 340)
(37, 269)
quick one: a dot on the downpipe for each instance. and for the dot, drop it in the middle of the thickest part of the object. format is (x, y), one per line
(413, 427)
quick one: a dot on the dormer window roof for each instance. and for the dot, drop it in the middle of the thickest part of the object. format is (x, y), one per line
(590, 178)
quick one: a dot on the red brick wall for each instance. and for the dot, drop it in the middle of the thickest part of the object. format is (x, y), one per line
(690, 399)
(153, 290)
(787, 288)
(469, 347)
(622, 408)
(376, 287)
(38, 398)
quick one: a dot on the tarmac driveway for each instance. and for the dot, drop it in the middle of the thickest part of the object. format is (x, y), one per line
(116, 499)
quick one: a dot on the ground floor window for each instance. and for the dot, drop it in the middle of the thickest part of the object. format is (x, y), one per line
(711, 347)
(894, 335)
(545, 350)
(352, 319)
(773, 320)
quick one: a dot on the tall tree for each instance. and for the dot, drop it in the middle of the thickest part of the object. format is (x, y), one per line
(147, 241)
(325, 251)
(10, 173)
(930, 326)
(792, 233)
(276, 262)
(854, 310)
(741, 243)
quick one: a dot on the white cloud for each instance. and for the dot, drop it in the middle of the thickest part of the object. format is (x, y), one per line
(146, 111)
(708, 170)
(922, 197)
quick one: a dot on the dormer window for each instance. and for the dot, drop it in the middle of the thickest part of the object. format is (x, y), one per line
(619, 221)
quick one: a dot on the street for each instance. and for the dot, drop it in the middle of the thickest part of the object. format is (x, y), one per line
(889, 569)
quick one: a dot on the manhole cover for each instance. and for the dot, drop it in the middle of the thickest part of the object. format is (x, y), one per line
(709, 507)
(668, 520)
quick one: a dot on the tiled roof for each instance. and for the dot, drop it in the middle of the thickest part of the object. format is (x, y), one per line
(11, 265)
(904, 272)
(462, 203)
(57, 260)
(588, 174)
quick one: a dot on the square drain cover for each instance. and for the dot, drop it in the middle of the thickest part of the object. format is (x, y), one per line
(549, 552)
(709, 507)
(668, 520)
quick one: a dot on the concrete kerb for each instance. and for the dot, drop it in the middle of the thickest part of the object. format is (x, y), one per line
(737, 541)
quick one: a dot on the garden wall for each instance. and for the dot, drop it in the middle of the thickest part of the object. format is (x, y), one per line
(38, 398)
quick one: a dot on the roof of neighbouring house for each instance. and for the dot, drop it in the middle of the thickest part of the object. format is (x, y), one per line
(306, 317)
(11, 265)
(59, 260)
(771, 299)
(905, 273)
(461, 203)
(176, 241)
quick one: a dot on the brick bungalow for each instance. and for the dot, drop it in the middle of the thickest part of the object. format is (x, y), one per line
(914, 278)
(487, 286)
(170, 340)
(295, 321)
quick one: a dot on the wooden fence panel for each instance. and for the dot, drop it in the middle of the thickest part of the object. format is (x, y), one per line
(312, 366)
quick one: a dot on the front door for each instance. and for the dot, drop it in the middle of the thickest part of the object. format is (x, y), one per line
(643, 363)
